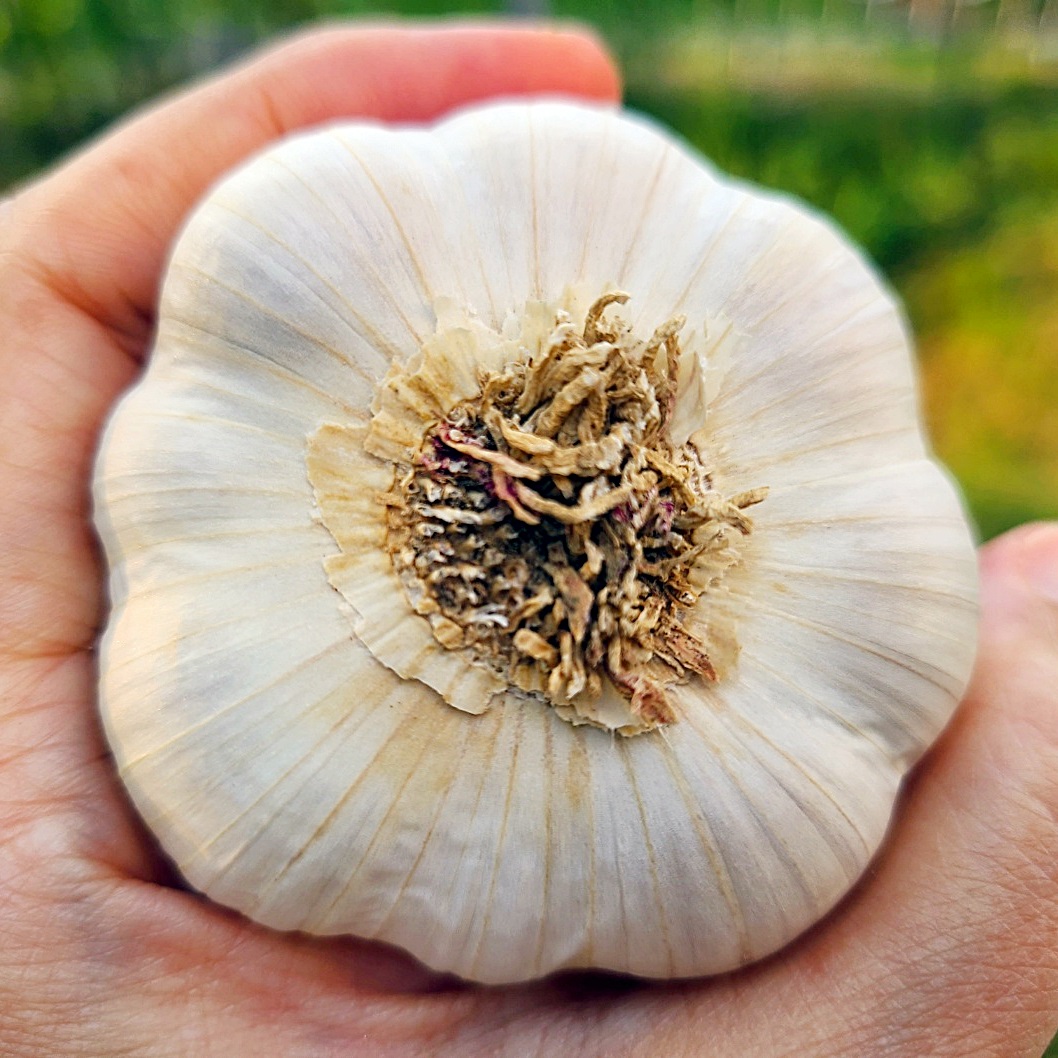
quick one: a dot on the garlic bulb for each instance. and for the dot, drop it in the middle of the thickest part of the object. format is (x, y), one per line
(524, 551)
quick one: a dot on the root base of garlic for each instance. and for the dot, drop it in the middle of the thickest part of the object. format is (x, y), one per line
(549, 527)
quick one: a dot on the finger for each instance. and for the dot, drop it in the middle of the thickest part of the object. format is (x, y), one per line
(99, 227)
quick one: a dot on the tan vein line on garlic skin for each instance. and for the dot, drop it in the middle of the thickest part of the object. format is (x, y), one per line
(325, 747)
(501, 224)
(549, 793)
(897, 658)
(734, 389)
(790, 221)
(823, 707)
(647, 297)
(849, 578)
(372, 338)
(211, 576)
(843, 854)
(455, 759)
(655, 883)
(884, 473)
(230, 707)
(778, 846)
(713, 853)
(697, 314)
(731, 390)
(807, 622)
(274, 367)
(307, 529)
(273, 530)
(318, 915)
(812, 780)
(484, 771)
(794, 455)
(519, 722)
(178, 810)
(312, 339)
(458, 676)
(898, 518)
(479, 256)
(602, 175)
(847, 321)
(614, 861)
(287, 439)
(792, 393)
(396, 795)
(578, 752)
(845, 421)
(193, 490)
(711, 248)
(534, 176)
(293, 530)
(237, 620)
(424, 284)
(846, 519)
(412, 665)
(718, 340)
(364, 259)
(241, 398)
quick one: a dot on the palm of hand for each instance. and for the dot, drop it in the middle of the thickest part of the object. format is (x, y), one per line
(949, 947)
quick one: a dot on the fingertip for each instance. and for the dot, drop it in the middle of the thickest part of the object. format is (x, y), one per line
(1026, 558)
(1019, 603)
(582, 50)
(418, 71)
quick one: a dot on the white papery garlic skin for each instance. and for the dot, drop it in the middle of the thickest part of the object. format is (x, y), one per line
(291, 745)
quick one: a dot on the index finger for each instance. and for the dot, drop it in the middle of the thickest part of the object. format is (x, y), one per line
(98, 229)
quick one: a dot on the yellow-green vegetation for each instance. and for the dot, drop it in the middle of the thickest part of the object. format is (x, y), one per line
(989, 346)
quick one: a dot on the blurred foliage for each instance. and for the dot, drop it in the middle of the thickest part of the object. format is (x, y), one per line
(930, 132)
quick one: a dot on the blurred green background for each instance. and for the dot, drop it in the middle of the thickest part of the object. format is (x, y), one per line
(929, 128)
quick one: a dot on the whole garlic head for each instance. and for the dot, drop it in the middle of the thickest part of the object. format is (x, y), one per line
(524, 551)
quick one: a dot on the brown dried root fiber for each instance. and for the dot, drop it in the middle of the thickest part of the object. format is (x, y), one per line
(550, 527)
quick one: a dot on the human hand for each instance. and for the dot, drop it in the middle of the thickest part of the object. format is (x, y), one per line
(949, 947)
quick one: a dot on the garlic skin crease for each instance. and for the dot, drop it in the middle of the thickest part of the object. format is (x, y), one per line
(279, 711)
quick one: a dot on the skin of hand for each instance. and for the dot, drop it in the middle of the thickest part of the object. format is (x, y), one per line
(949, 946)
